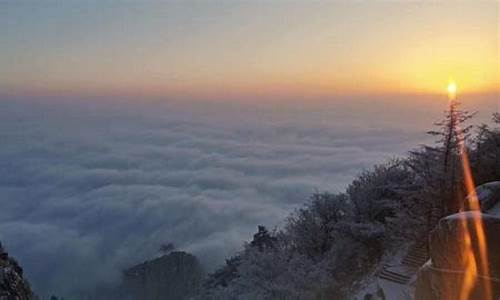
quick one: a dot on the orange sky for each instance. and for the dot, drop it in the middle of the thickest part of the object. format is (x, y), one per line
(268, 47)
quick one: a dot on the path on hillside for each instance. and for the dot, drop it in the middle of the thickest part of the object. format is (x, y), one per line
(394, 277)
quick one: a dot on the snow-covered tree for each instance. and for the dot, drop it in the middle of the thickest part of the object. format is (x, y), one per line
(312, 227)
(485, 155)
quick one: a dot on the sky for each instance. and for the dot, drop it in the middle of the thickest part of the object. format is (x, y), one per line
(238, 48)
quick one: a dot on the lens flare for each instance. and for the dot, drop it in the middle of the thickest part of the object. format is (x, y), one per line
(473, 260)
(475, 265)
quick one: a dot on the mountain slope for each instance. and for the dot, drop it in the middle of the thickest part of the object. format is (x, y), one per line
(12, 283)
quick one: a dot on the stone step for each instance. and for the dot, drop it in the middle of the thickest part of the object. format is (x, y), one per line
(417, 256)
(413, 268)
(413, 264)
(395, 274)
(399, 281)
(394, 277)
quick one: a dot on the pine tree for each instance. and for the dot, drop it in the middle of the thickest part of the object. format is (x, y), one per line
(451, 134)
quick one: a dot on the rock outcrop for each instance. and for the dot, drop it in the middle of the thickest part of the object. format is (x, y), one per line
(443, 275)
(13, 286)
(177, 275)
(489, 196)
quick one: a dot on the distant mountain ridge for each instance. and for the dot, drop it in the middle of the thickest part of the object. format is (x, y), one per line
(177, 275)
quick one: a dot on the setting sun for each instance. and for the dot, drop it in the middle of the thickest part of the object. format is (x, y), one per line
(452, 89)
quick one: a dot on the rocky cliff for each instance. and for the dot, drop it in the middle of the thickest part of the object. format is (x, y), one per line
(443, 275)
(13, 286)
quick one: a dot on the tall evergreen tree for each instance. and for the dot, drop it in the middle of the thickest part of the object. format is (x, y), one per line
(452, 134)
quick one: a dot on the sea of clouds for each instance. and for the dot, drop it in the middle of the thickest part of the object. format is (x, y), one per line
(90, 187)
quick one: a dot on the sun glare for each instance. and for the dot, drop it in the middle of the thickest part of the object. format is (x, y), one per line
(452, 89)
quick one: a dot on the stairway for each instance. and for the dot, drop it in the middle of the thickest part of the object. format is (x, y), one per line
(416, 256)
(408, 266)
